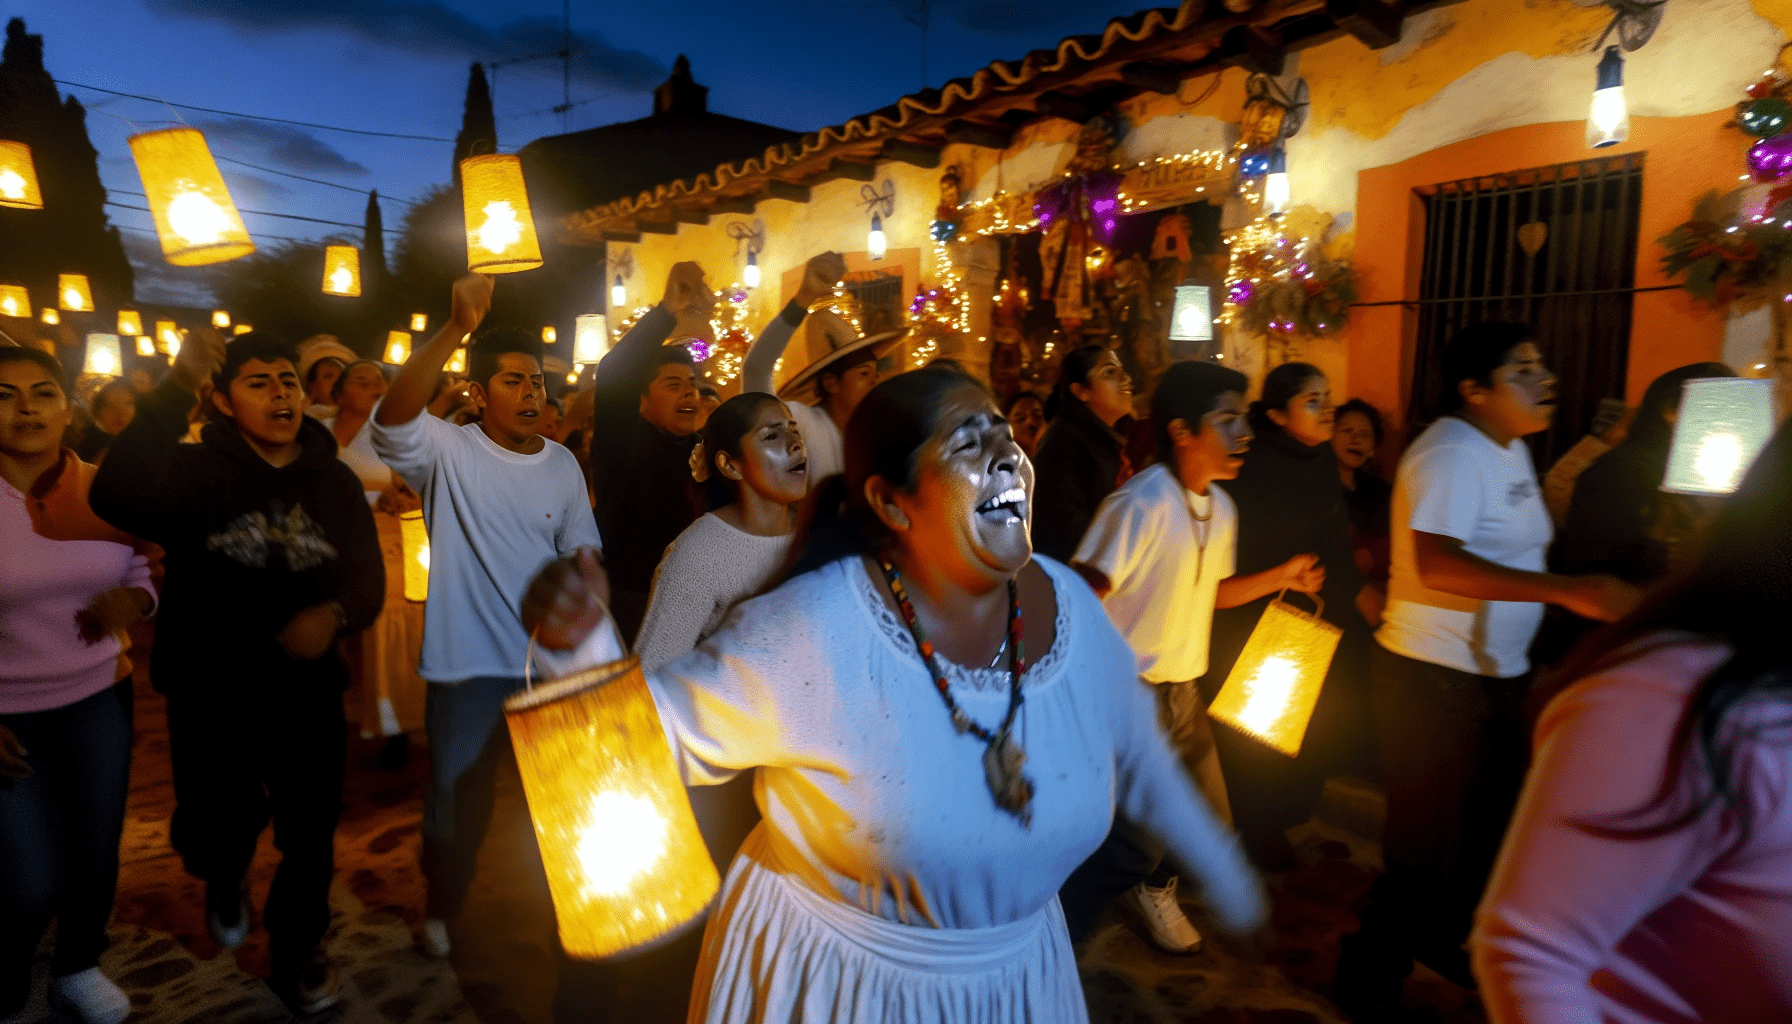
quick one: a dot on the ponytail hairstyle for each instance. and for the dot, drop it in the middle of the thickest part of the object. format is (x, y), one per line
(1078, 364)
(727, 427)
(1281, 386)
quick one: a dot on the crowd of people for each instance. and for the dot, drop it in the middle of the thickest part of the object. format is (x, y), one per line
(935, 663)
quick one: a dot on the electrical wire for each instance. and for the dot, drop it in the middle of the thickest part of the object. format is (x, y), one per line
(262, 213)
(151, 232)
(315, 181)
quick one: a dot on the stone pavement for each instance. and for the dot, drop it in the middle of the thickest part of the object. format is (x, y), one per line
(504, 967)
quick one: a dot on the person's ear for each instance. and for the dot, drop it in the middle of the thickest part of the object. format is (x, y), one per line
(476, 393)
(1471, 391)
(1278, 417)
(827, 391)
(726, 465)
(1082, 393)
(1180, 434)
(221, 402)
(885, 504)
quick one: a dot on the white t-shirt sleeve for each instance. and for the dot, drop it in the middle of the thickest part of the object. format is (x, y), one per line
(1447, 487)
(414, 448)
(1119, 539)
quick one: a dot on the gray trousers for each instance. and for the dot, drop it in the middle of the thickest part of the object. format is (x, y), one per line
(467, 741)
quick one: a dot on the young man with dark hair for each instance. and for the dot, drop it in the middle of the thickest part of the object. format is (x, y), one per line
(501, 502)
(271, 557)
(1451, 664)
(1160, 553)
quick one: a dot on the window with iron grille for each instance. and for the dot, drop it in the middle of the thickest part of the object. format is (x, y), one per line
(1552, 247)
(878, 294)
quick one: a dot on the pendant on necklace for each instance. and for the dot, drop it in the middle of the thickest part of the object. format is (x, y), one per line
(961, 721)
(1003, 760)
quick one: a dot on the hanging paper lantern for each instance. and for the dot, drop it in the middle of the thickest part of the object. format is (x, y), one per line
(419, 321)
(398, 347)
(414, 534)
(130, 322)
(1771, 159)
(1275, 683)
(624, 860)
(1765, 118)
(50, 316)
(457, 363)
(590, 339)
(220, 319)
(500, 229)
(167, 336)
(103, 358)
(14, 300)
(73, 293)
(146, 345)
(196, 219)
(1191, 319)
(18, 177)
(240, 329)
(549, 335)
(342, 270)
(1724, 423)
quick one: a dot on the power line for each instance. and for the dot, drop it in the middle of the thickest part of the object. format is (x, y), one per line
(151, 232)
(252, 117)
(315, 181)
(261, 213)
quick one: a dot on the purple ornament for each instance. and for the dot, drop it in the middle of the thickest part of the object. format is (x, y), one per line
(1771, 159)
(1240, 293)
(699, 350)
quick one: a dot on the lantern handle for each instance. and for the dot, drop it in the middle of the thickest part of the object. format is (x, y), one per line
(1319, 602)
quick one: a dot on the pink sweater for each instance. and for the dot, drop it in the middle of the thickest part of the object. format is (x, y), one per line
(55, 557)
(1695, 925)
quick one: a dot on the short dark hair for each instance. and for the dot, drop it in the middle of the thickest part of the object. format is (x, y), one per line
(44, 360)
(1077, 365)
(1188, 391)
(839, 367)
(1367, 411)
(1474, 353)
(668, 355)
(482, 359)
(246, 347)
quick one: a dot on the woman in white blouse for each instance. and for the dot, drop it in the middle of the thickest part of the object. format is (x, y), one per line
(926, 783)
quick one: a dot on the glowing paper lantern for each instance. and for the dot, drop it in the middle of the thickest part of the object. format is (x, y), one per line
(240, 329)
(398, 347)
(1724, 423)
(130, 323)
(457, 363)
(1191, 319)
(624, 860)
(591, 338)
(103, 357)
(1275, 683)
(146, 345)
(18, 177)
(549, 335)
(14, 300)
(500, 229)
(220, 319)
(167, 337)
(195, 217)
(1608, 121)
(419, 321)
(50, 316)
(342, 270)
(414, 534)
(73, 293)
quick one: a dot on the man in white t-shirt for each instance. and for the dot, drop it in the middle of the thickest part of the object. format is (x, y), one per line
(501, 502)
(1465, 598)
(1161, 552)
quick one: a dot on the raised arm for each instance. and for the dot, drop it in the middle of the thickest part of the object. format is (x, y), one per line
(415, 386)
(821, 276)
(687, 302)
(135, 492)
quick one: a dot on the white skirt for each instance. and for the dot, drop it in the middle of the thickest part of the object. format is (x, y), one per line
(777, 951)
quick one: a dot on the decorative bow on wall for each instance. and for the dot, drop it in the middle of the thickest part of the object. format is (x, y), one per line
(1081, 209)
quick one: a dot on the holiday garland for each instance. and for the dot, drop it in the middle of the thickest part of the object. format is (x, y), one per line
(1280, 286)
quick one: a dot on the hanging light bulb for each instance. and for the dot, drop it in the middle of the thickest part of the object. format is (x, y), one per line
(549, 335)
(500, 229)
(1608, 122)
(590, 339)
(220, 319)
(146, 345)
(18, 178)
(130, 323)
(103, 358)
(196, 220)
(14, 300)
(875, 244)
(419, 321)
(74, 293)
(50, 316)
(618, 294)
(1275, 184)
(751, 275)
(398, 347)
(342, 270)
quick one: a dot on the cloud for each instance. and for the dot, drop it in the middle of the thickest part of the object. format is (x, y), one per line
(156, 281)
(429, 29)
(293, 148)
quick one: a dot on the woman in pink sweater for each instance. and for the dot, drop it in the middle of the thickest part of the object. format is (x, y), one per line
(1647, 874)
(70, 585)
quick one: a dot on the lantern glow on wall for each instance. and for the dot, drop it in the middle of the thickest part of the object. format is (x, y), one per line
(500, 229)
(419, 321)
(342, 270)
(14, 300)
(50, 316)
(73, 293)
(590, 338)
(146, 345)
(220, 319)
(196, 220)
(1191, 319)
(103, 358)
(414, 535)
(1724, 423)
(1608, 120)
(624, 860)
(130, 323)
(1275, 683)
(398, 347)
(18, 177)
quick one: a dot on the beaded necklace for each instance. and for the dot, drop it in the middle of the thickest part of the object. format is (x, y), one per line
(1003, 758)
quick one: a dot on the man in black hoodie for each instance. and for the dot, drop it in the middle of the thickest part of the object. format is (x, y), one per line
(271, 556)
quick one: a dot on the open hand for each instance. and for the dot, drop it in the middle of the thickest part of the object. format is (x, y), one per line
(567, 600)
(470, 301)
(112, 611)
(200, 356)
(307, 636)
(13, 764)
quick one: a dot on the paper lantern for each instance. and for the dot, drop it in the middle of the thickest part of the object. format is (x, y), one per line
(342, 270)
(624, 860)
(457, 363)
(240, 329)
(590, 338)
(220, 319)
(1724, 423)
(167, 337)
(14, 300)
(500, 229)
(50, 316)
(146, 345)
(130, 323)
(73, 293)
(103, 357)
(196, 220)
(549, 335)
(18, 177)
(1191, 319)
(414, 534)
(1608, 120)
(398, 347)
(1274, 684)
(419, 321)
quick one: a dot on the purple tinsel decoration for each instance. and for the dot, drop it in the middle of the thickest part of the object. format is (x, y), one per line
(699, 350)
(1240, 293)
(1096, 195)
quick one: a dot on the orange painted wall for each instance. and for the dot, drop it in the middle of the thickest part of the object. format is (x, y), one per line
(1687, 156)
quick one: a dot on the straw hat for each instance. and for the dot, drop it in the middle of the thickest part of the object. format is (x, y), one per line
(831, 338)
(322, 346)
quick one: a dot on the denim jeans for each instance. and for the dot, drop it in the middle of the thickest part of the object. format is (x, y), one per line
(59, 832)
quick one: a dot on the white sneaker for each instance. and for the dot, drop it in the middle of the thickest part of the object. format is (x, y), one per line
(1165, 924)
(227, 936)
(435, 938)
(91, 997)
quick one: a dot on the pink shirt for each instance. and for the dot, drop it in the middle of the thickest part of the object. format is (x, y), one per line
(55, 557)
(1695, 925)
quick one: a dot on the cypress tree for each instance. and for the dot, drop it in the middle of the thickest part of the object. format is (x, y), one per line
(478, 126)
